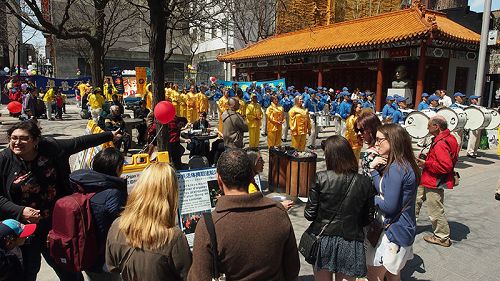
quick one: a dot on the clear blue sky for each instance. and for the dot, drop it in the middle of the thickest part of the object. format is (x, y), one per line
(478, 5)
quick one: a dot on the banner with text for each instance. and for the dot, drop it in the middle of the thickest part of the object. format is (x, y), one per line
(117, 78)
(67, 85)
(244, 85)
(141, 78)
(198, 194)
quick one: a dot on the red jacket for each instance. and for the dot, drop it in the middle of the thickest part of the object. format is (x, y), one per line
(441, 160)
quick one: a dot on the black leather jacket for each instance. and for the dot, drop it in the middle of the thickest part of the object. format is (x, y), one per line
(325, 198)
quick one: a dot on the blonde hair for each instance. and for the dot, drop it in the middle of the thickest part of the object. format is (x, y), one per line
(148, 220)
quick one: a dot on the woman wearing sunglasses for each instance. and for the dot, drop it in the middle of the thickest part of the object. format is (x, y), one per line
(396, 175)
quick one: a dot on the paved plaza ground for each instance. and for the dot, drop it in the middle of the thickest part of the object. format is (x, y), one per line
(472, 211)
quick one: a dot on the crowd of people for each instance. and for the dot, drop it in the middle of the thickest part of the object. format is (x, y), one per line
(364, 206)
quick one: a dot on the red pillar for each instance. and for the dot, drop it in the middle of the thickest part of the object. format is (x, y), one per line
(320, 78)
(420, 74)
(380, 82)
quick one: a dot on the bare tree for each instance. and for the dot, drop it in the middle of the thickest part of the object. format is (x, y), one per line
(254, 20)
(15, 36)
(168, 17)
(98, 22)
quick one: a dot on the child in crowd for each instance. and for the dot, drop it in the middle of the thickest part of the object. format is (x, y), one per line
(59, 105)
(12, 235)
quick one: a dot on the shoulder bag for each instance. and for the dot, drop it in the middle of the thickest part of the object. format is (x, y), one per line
(216, 275)
(309, 242)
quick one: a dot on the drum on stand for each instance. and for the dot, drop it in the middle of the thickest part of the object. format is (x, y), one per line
(416, 123)
(495, 119)
(455, 117)
(323, 120)
(477, 117)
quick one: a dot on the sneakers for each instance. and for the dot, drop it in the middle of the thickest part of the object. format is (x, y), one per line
(433, 239)
(471, 156)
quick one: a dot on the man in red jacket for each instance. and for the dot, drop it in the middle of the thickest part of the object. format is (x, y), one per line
(437, 175)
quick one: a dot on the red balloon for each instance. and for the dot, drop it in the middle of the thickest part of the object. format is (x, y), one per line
(14, 107)
(164, 112)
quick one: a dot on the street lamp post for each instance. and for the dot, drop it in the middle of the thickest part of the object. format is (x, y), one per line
(483, 46)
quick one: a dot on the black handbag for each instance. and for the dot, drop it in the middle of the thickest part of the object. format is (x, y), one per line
(309, 242)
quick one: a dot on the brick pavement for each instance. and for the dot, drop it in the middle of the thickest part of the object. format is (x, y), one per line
(473, 214)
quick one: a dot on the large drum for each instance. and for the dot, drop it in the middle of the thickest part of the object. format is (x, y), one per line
(477, 117)
(416, 123)
(455, 117)
(495, 120)
(323, 120)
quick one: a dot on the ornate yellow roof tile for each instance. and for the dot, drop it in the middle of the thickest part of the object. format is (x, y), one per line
(384, 28)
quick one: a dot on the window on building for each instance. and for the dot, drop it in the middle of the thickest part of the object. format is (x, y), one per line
(224, 27)
(202, 34)
(214, 29)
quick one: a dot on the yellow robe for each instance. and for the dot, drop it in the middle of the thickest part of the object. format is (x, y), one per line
(174, 98)
(202, 102)
(223, 105)
(192, 107)
(243, 108)
(96, 101)
(300, 126)
(149, 100)
(182, 105)
(254, 120)
(275, 118)
(49, 95)
(351, 135)
(109, 96)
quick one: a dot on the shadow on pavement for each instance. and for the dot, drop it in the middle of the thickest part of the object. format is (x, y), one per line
(423, 228)
(458, 231)
(479, 161)
(488, 155)
(412, 266)
(462, 165)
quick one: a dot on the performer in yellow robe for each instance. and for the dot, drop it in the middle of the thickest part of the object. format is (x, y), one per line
(350, 131)
(149, 97)
(174, 98)
(192, 105)
(300, 124)
(223, 105)
(243, 105)
(254, 120)
(275, 119)
(107, 92)
(182, 104)
(202, 102)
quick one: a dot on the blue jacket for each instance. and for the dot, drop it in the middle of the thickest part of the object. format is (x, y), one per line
(286, 103)
(368, 104)
(398, 117)
(266, 100)
(314, 105)
(334, 108)
(106, 205)
(398, 187)
(345, 109)
(387, 111)
(422, 105)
